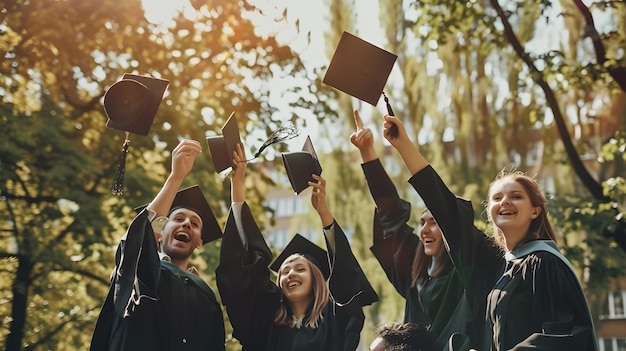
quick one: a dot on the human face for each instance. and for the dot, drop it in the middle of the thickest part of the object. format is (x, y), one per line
(296, 279)
(182, 233)
(430, 234)
(379, 344)
(511, 210)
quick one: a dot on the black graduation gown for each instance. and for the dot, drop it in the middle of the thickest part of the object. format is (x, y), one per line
(252, 298)
(539, 303)
(525, 297)
(439, 303)
(153, 304)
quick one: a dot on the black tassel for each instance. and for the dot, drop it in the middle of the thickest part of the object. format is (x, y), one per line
(393, 131)
(118, 182)
(280, 134)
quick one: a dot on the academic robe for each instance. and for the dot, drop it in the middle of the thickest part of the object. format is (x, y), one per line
(441, 303)
(534, 300)
(252, 298)
(153, 304)
(539, 303)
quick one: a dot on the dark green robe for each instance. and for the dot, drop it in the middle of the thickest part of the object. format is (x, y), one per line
(153, 304)
(440, 303)
(537, 303)
(252, 298)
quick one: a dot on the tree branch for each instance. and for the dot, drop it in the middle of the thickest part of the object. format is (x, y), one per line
(591, 184)
(618, 73)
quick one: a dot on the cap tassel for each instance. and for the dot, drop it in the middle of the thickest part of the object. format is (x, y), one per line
(118, 182)
(393, 131)
(280, 134)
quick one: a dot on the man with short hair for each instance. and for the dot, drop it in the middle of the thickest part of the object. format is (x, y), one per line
(156, 304)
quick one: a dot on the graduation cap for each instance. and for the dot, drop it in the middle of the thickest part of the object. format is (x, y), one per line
(223, 146)
(131, 105)
(303, 246)
(360, 69)
(300, 166)
(193, 199)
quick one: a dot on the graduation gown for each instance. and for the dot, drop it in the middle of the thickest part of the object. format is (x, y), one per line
(153, 304)
(537, 302)
(252, 298)
(439, 303)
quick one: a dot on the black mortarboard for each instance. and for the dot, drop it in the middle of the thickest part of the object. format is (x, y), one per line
(300, 166)
(359, 68)
(223, 146)
(301, 245)
(132, 103)
(193, 198)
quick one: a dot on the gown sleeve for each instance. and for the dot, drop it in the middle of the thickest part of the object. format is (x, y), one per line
(349, 288)
(395, 244)
(475, 256)
(243, 280)
(137, 270)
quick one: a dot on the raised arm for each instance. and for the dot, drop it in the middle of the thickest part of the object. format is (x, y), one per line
(412, 157)
(183, 157)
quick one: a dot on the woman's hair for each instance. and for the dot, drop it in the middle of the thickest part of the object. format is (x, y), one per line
(540, 227)
(320, 296)
(421, 262)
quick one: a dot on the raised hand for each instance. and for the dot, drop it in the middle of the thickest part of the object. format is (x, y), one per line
(239, 171)
(363, 139)
(183, 157)
(389, 131)
(318, 200)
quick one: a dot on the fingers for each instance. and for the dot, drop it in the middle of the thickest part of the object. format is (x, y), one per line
(319, 184)
(357, 120)
(188, 147)
(239, 154)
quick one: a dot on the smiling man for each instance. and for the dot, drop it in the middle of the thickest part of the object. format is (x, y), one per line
(162, 304)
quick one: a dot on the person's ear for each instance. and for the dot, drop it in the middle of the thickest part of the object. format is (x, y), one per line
(535, 213)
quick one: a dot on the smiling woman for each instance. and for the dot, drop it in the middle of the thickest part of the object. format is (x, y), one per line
(317, 300)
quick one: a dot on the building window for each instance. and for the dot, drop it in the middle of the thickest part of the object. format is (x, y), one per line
(616, 304)
(612, 344)
(279, 238)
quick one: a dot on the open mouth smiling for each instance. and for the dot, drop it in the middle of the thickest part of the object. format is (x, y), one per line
(293, 284)
(182, 236)
(506, 213)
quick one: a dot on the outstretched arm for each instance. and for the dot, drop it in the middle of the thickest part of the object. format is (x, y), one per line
(412, 157)
(318, 200)
(183, 157)
(239, 165)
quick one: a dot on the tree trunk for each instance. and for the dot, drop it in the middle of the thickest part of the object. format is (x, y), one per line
(19, 304)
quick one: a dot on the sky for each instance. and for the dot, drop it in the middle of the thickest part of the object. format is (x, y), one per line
(313, 18)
